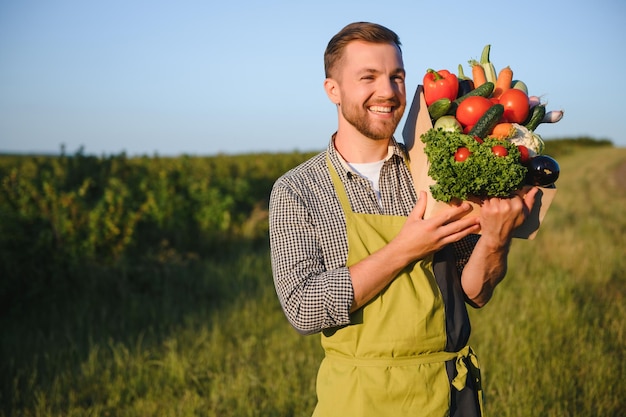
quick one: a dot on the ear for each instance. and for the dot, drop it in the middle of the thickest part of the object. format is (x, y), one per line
(332, 90)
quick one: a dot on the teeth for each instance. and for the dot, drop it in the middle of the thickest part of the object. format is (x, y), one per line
(380, 109)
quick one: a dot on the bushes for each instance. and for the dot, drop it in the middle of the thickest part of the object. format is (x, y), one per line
(57, 213)
(105, 209)
(561, 147)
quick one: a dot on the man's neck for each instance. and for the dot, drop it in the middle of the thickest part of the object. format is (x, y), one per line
(359, 149)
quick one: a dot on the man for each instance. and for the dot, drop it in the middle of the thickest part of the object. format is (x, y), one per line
(354, 259)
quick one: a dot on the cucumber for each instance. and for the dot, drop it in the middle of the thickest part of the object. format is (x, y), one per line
(487, 121)
(536, 116)
(483, 90)
(439, 108)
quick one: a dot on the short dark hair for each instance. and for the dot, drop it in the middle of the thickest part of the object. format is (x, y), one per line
(358, 31)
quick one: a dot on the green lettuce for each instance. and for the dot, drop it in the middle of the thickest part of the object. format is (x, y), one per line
(483, 174)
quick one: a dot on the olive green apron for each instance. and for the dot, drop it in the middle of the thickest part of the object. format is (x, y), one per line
(390, 361)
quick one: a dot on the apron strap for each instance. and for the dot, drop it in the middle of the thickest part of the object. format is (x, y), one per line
(339, 187)
(460, 381)
(464, 358)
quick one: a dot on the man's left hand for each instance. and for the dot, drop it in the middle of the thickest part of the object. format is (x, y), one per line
(500, 216)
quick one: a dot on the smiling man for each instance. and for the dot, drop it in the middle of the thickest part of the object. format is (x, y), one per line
(354, 259)
(365, 68)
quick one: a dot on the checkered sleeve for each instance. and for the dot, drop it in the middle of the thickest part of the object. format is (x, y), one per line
(463, 250)
(312, 296)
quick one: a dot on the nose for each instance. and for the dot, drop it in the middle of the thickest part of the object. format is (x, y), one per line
(386, 87)
(390, 88)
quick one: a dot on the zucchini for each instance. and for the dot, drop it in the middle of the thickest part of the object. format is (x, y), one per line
(487, 122)
(536, 117)
(439, 108)
(520, 85)
(483, 90)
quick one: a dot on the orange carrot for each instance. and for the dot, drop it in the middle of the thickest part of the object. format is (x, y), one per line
(503, 82)
(503, 131)
(478, 73)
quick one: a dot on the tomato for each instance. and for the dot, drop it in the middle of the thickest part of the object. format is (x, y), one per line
(524, 154)
(461, 154)
(467, 129)
(499, 150)
(516, 105)
(471, 109)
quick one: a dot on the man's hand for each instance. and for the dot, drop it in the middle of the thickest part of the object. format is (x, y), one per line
(499, 217)
(420, 237)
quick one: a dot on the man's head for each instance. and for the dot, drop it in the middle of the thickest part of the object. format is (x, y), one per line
(365, 79)
(358, 31)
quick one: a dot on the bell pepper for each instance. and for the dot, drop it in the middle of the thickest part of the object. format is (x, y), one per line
(440, 84)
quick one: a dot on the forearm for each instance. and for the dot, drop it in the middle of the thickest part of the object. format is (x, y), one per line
(372, 274)
(487, 265)
(484, 270)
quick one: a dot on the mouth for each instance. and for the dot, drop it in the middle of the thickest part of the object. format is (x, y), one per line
(380, 109)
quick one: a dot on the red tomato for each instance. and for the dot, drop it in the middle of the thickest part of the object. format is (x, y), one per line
(467, 129)
(524, 154)
(461, 154)
(499, 150)
(471, 109)
(516, 105)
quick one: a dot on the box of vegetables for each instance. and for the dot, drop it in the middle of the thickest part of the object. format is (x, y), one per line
(475, 137)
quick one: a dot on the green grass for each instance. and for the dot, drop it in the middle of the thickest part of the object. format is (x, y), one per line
(208, 338)
(209, 341)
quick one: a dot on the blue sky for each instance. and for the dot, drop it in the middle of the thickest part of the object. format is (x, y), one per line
(207, 77)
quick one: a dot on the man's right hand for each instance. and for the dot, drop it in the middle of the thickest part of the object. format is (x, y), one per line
(421, 237)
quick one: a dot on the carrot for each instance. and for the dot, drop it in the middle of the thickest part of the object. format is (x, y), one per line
(503, 131)
(503, 82)
(478, 73)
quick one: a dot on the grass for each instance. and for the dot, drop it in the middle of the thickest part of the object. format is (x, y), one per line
(208, 338)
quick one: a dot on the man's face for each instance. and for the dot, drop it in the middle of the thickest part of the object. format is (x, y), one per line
(372, 93)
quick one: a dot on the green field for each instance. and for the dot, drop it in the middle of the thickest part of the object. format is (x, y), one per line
(152, 330)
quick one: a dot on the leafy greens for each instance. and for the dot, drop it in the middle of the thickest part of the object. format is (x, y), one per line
(482, 174)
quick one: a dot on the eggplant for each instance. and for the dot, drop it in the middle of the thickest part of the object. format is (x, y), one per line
(543, 171)
(465, 86)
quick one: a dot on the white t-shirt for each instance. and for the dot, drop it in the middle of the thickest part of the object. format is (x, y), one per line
(371, 171)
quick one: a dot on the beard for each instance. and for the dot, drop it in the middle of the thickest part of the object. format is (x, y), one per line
(359, 117)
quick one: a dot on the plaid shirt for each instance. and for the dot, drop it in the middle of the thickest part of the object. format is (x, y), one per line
(308, 237)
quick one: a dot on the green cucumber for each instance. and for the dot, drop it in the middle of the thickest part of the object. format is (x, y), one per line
(536, 116)
(439, 108)
(483, 90)
(487, 122)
